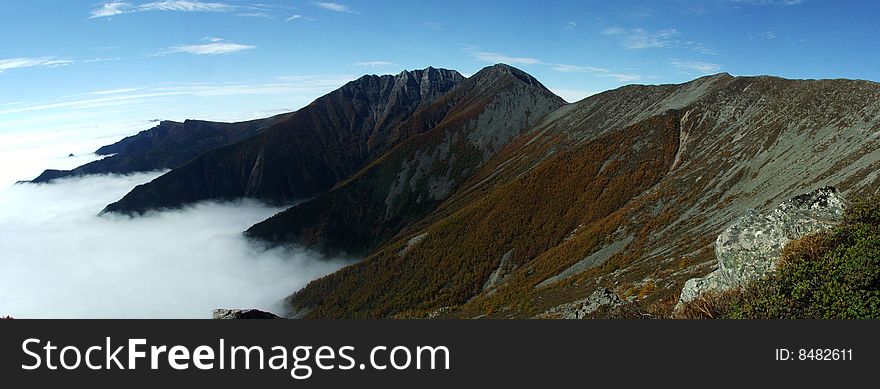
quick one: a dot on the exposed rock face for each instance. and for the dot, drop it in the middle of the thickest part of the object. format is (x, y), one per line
(243, 314)
(750, 248)
(505, 267)
(412, 242)
(581, 308)
(592, 260)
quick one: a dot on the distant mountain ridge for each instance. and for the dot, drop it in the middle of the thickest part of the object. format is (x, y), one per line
(166, 146)
(308, 151)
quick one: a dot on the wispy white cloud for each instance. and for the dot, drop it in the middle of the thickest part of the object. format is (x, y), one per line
(336, 7)
(256, 14)
(123, 96)
(298, 17)
(493, 57)
(186, 6)
(77, 104)
(113, 8)
(564, 68)
(765, 36)
(695, 67)
(212, 48)
(571, 95)
(598, 72)
(17, 63)
(571, 25)
(490, 57)
(93, 60)
(216, 47)
(114, 91)
(316, 81)
(434, 26)
(638, 38)
(45, 62)
(769, 2)
(376, 64)
(110, 9)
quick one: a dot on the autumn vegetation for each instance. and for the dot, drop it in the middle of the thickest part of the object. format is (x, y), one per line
(530, 217)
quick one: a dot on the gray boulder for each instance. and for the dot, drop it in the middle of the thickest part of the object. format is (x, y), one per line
(583, 307)
(750, 248)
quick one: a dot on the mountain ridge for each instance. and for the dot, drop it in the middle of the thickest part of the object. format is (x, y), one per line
(167, 145)
(305, 154)
(739, 145)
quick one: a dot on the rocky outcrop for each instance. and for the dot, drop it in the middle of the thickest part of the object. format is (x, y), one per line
(592, 260)
(750, 248)
(603, 297)
(412, 243)
(230, 314)
(505, 267)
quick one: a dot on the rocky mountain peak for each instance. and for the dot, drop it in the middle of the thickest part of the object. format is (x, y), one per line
(429, 83)
(494, 72)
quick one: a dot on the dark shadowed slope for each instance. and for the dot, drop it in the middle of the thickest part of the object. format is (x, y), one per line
(308, 151)
(166, 146)
(474, 121)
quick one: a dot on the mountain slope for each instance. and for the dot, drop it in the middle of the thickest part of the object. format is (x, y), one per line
(625, 190)
(165, 146)
(308, 151)
(475, 121)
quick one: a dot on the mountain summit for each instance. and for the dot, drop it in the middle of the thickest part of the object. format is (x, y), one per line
(473, 122)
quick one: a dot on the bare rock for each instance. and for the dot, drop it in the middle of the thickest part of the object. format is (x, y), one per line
(750, 248)
(581, 308)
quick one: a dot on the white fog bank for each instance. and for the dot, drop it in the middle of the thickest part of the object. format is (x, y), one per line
(59, 260)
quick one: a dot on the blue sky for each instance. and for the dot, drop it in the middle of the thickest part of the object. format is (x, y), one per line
(82, 64)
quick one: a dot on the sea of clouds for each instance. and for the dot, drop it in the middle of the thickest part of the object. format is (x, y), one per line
(59, 259)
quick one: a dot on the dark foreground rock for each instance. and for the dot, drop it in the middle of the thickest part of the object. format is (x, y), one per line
(243, 314)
